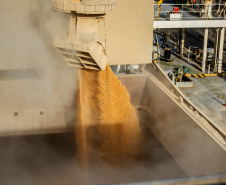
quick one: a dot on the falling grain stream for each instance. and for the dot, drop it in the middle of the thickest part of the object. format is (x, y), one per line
(107, 128)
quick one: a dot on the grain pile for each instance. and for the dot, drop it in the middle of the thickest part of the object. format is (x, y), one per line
(107, 128)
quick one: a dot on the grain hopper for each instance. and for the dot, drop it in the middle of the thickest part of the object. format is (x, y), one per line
(191, 143)
(96, 38)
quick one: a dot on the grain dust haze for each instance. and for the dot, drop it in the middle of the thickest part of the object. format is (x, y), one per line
(110, 144)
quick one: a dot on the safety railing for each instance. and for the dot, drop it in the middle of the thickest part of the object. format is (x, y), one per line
(190, 11)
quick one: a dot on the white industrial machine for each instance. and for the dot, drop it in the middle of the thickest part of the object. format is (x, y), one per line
(91, 31)
(82, 47)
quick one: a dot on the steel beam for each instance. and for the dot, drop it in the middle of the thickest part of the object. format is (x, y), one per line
(190, 24)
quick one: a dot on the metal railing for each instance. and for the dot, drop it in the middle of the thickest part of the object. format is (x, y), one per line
(190, 12)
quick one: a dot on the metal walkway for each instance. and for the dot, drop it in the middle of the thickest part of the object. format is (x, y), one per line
(190, 16)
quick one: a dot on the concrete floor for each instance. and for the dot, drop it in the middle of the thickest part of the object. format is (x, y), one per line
(208, 93)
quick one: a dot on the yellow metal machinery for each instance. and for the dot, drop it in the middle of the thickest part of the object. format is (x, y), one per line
(159, 2)
(158, 12)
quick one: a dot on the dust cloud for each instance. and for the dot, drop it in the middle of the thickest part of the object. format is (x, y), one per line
(26, 54)
(33, 76)
(41, 79)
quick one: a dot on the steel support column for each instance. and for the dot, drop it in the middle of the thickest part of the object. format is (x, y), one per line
(182, 41)
(220, 49)
(178, 39)
(167, 37)
(204, 50)
(215, 54)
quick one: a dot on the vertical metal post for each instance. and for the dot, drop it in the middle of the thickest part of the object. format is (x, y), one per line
(182, 41)
(167, 37)
(219, 6)
(224, 9)
(208, 69)
(178, 40)
(204, 50)
(220, 49)
(215, 53)
(173, 48)
(189, 51)
(208, 9)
